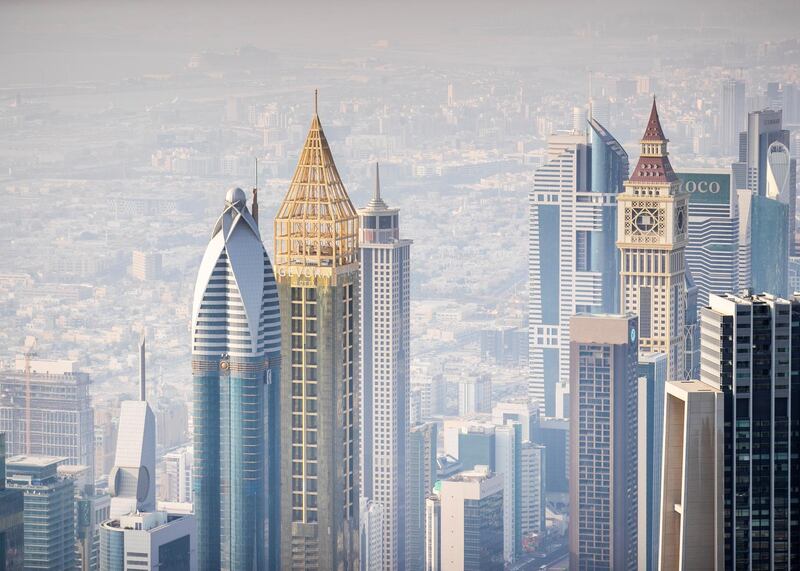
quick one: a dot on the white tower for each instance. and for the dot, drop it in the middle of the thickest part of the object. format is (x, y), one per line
(385, 332)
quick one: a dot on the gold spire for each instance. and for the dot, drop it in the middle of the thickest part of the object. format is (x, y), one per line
(316, 224)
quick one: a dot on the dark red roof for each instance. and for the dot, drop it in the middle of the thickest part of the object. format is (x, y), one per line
(654, 132)
(653, 169)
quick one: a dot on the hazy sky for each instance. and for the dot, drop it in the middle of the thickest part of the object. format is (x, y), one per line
(40, 41)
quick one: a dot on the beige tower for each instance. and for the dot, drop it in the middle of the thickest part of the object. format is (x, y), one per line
(317, 270)
(651, 237)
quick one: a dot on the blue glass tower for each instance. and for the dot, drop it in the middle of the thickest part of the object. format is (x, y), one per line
(235, 370)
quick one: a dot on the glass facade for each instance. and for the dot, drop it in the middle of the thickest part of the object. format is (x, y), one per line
(483, 534)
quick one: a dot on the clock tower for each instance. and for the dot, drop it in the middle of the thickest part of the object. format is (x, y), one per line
(651, 237)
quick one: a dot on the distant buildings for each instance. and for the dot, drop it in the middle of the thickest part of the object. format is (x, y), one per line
(471, 521)
(474, 394)
(603, 486)
(733, 115)
(652, 236)
(61, 415)
(571, 253)
(235, 358)
(372, 523)
(12, 524)
(146, 266)
(178, 467)
(49, 511)
(317, 268)
(385, 359)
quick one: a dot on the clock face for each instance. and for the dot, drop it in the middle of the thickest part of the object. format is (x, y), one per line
(644, 222)
(633, 335)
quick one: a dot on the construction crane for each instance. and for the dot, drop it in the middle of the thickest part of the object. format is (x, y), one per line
(30, 344)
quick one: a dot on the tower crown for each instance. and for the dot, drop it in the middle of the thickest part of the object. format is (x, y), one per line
(653, 165)
(316, 224)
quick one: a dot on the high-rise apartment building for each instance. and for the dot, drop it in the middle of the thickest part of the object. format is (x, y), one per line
(317, 267)
(49, 511)
(235, 370)
(372, 522)
(471, 507)
(652, 374)
(532, 497)
(733, 115)
(433, 529)
(60, 414)
(651, 236)
(385, 347)
(474, 394)
(690, 517)
(421, 459)
(712, 251)
(571, 253)
(603, 485)
(508, 465)
(178, 467)
(12, 524)
(146, 266)
(751, 353)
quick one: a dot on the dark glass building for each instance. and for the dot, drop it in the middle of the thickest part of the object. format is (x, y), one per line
(751, 352)
(12, 524)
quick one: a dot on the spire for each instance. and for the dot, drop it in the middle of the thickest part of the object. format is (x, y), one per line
(653, 131)
(316, 224)
(377, 202)
(254, 209)
(316, 102)
(142, 387)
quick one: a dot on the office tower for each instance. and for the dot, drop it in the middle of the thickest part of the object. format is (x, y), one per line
(12, 524)
(763, 243)
(49, 512)
(433, 530)
(372, 522)
(572, 259)
(712, 251)
(553, 434)
(471, 524)
(421, 459)
(651, 234)
(691, 501)
(385, 344)
(523, 411)
(146, 266)
(471, 442)
(149, 540)
(652, 374)
(733, 115)
(235, 360)
(316, 259)
(508, 465)
(92, 509)
(132, 481)
(60, 415)
(751, 345)
(474, 394)
(603, 489)
(532, 496)
(781, 185)
(504, 345)
(763, 128)
(178, 467)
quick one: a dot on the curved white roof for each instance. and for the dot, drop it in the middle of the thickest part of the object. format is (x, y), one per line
(235, 309)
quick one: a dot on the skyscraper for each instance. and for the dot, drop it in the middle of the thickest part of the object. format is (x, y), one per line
(316, 260)
(651, 236)
(763, 128)
(733, 115)
(763, 243)
(690, 514)
(472, 521)
(652, 374)
(60, 412)
(751, 353)
(49, 511)
(421, 458)
(603, 486)
(508, 464)
(712, 250)
(149, 540)
(572, 258)
(474, 394)
(12, 524)
(235, 360)
(385, 344)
